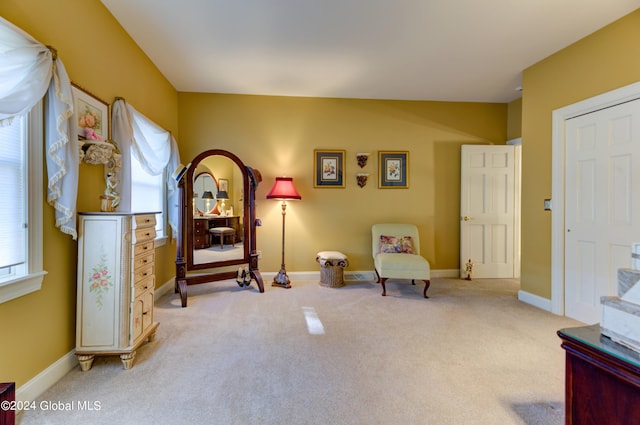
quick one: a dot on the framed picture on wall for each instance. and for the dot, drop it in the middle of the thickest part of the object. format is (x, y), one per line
(393, 169)
(223, 185)
(328, 168)
(92, 115)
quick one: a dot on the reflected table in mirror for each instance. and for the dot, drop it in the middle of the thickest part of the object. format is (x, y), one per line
(201, 226)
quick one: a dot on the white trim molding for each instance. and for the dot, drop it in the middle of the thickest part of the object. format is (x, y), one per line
(35, 387)
(534, 300)
(166, 287)
(30, 277)
(22, 286)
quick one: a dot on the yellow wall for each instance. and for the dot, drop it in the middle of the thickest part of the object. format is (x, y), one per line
(39, 328)
(514, 119)
(277, 136)
(606, 60)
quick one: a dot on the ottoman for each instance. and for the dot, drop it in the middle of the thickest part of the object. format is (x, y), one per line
(332, 264)
(223, 232)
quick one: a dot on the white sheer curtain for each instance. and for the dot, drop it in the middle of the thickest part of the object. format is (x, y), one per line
(173, 201)
(28, 70)
(154, 147)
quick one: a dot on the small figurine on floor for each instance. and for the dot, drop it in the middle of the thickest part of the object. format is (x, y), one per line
(469, 269)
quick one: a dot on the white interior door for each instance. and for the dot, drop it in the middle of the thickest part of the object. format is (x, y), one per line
(487, 210)
(602, 202)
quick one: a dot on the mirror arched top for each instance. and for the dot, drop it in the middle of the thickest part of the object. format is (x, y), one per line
(216, 171)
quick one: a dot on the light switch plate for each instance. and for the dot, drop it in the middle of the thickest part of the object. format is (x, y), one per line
(547, 204)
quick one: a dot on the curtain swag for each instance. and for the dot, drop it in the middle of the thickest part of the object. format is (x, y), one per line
(28, 71)
(154, 147)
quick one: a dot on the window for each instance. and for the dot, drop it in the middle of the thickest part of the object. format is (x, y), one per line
(148, 194)
(21, 146)
(149, 155)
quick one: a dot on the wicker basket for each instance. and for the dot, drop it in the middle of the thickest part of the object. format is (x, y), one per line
(332, 264)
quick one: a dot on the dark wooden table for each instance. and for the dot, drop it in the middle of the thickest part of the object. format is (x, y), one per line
(602, 379)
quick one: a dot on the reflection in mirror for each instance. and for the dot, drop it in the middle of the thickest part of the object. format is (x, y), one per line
(219, 237)
(218, 213)
(205, 189)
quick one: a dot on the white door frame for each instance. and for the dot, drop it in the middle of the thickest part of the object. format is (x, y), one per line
(614, 97)
(517, 210)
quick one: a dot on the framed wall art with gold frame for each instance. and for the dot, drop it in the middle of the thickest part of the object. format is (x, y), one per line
(92, 115)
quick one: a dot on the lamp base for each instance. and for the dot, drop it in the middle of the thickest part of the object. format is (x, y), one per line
(281, 279)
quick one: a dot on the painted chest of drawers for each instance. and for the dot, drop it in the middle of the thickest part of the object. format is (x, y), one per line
(116, 282)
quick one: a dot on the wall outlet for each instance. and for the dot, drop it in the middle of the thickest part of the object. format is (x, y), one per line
(259, 255)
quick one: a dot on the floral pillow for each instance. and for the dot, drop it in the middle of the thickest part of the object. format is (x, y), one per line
(396, 244)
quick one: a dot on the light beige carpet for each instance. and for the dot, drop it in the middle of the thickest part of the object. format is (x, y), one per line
(471, 354)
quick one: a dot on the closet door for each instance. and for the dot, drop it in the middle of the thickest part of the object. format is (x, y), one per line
(602, 204)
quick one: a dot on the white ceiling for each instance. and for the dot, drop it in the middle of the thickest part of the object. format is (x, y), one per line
(449, 50)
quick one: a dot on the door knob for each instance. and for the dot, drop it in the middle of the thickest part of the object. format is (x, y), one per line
(466, 218)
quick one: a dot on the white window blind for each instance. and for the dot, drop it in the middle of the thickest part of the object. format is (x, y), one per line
(13, 220)
(147, 193)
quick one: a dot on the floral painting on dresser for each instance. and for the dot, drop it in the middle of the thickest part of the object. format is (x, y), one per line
(100, 279)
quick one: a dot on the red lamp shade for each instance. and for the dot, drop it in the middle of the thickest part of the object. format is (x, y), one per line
(283, 189)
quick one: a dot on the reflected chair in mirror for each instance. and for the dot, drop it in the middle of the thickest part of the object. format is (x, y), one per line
(396, 255)
(223, 233)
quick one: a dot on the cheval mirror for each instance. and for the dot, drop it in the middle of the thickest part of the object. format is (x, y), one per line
(217, 222)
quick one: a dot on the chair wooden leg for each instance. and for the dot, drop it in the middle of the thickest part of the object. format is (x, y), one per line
(426, 286)
(384, 288)
(377, 276)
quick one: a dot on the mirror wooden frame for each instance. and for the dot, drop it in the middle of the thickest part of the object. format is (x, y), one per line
(251, 178)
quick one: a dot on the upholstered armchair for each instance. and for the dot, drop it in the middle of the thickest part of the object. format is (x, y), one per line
(396, 255)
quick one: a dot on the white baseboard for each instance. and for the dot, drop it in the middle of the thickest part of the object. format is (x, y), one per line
(535, 300)
(166, 287)
(35, 387)
(349, 276)
(45, 379)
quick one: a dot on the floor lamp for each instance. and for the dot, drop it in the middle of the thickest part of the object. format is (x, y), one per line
(283, 190)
